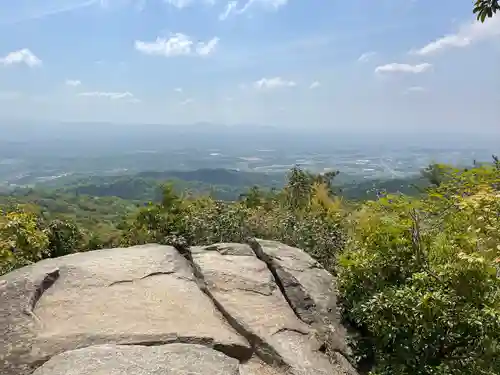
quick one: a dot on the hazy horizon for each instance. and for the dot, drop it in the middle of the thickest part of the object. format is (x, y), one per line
(393, 66)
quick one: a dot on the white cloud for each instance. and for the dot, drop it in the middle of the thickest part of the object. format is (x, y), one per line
(178, 89)
(177, 45)
(110, 95)
(466, 35)
(403, 68)
(314, 85)
(42, 9)
(205, 49)
(273, 83)
(230, 7)
(73, 82)
(367, 56)
(265, 4)
(268, 5)
(22, 56)
(179, 3)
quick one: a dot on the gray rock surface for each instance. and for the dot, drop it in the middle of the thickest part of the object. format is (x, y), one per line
(149, 310)
(173, 359)
(308, 287)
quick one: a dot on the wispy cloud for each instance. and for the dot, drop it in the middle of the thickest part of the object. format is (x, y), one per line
(177, 45)
(205, 49)
(73, 82)
(268, 5)
(314, 85)
(367, 56)
(403, 68)
(230, 7)
(22, 56)
(466, 35)
(179, 3)
(273, 83)
(111, 95)
(43, 9)
(178, 89)
(265, 4)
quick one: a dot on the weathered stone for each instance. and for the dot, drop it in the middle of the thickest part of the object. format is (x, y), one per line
(174, 359)
(219, 309)
(139, 295)
(242, 286)
(255, 366)
(308, 287)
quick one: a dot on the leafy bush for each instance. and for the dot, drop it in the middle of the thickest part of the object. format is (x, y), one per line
(21, 240)
(420, 279)
(302, 215)
(63, 238)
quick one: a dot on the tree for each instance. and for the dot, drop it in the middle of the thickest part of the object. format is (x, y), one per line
(435, 173)
(253, 198)
(64, 238)
(486, 9)
(298, 188)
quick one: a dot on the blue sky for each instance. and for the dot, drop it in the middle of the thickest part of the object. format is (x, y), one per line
(352, 65)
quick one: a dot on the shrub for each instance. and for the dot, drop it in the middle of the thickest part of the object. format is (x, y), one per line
(420, 281)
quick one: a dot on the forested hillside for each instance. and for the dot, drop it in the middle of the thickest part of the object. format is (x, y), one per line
(418, 275)
(100, 204)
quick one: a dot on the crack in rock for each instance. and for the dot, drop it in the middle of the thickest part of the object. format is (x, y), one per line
(281, 353)
(240, 353)
(285, 329)
(41, 286)
(142, 278)
(306, 310)
(308, 303)
(263, 350)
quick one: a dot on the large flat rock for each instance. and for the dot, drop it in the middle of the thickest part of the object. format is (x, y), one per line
(245, 289)
(174, 359)
(222, 309)
(143, 295)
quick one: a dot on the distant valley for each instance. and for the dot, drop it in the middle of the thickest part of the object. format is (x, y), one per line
(56, 155)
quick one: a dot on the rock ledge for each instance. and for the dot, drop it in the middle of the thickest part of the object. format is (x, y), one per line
(239, 309)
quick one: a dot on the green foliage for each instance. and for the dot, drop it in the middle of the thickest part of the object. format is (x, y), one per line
(436, 173)
(64, 238)
(485, 9)
(21, 240)
(293, 216)
(419, 278)
(96, 217)
(224, 184)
